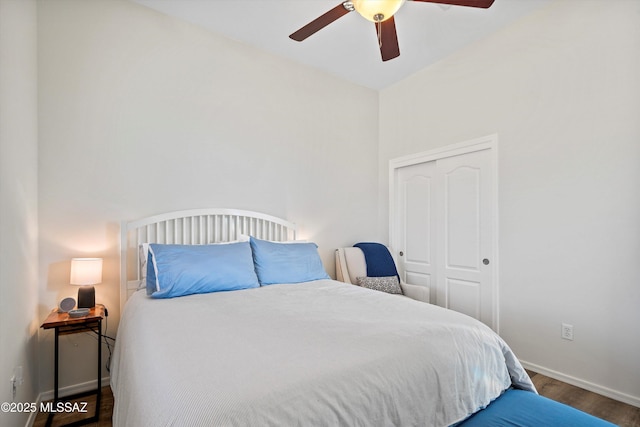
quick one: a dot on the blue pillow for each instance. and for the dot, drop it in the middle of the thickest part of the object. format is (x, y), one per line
(177, 270)
(286, 262)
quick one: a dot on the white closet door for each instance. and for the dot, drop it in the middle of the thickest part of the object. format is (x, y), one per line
(443, 233)
(416, 224)
(465, 243)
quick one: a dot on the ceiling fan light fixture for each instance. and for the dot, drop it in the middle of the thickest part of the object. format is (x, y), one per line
(377, 10)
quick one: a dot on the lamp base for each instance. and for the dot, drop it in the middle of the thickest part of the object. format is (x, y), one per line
(86, 297)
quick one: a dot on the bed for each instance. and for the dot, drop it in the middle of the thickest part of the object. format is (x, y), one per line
(286, 352)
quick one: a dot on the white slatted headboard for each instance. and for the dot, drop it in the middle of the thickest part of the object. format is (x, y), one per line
(192, 227)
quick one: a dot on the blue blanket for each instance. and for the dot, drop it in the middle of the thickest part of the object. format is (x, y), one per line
(379, 261)
(526, 409)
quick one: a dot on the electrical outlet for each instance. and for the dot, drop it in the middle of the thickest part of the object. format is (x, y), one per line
(567, 332)
(16, 380)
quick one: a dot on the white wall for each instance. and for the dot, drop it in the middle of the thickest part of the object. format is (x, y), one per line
(18, 203)
(561, 90)
(142, 114)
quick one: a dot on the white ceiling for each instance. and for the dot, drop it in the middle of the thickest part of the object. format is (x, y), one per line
(348, 48)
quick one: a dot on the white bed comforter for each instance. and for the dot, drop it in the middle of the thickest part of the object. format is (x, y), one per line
(314, 354)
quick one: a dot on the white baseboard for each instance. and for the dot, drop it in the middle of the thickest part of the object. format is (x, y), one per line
(73, 389)
(605, 391)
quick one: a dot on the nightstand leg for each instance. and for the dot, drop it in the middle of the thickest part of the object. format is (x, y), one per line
(55, 369)
(55, 376)
(99, 391)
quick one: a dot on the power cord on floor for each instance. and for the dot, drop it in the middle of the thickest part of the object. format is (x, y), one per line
(106, 338)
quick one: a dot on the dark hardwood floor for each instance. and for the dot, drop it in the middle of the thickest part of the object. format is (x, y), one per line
(613, 411)
(106, 410)
(600, 406)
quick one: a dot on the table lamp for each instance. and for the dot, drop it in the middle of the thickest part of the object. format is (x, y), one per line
(86, 272)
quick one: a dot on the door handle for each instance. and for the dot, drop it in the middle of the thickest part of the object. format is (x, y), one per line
(401, 253)
(485, 261)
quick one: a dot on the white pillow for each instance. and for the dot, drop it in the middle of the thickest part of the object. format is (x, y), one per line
(143, 255)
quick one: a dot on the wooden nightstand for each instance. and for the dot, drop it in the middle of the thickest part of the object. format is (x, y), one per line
(65, 325)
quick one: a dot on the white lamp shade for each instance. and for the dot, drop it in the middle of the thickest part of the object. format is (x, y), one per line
(86, 271)
(370, 8)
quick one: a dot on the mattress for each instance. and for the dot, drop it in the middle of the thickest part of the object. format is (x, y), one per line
(320, 353)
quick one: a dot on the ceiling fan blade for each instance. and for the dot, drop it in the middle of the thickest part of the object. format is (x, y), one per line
(471, 3)
(320, 22)
(388, 39)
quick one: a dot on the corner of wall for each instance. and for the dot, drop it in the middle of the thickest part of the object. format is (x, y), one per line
(19, 206)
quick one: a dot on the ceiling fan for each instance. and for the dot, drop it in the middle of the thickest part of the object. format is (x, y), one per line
(379, 12)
